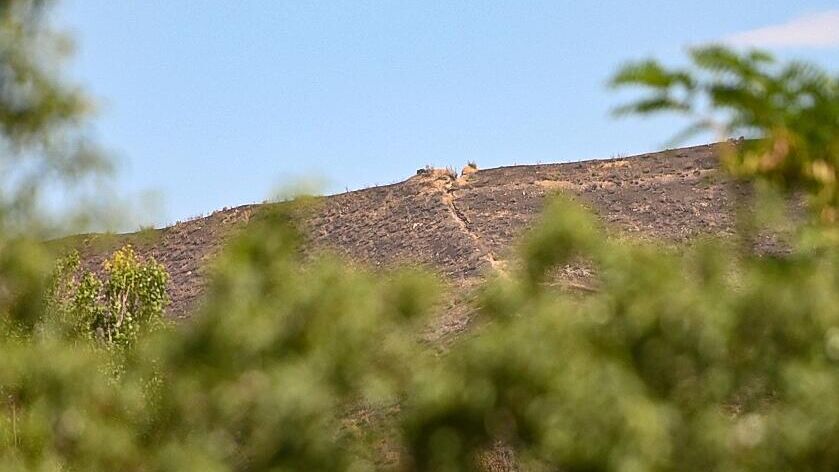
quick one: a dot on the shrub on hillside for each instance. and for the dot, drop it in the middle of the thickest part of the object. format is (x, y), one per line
(129, 299)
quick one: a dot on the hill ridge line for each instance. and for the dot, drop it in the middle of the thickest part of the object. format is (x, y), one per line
(457, 227)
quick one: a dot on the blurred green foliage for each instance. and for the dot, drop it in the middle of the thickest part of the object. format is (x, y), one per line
(711, 357)
(259, 380)
(708, 358)
(791, 109)
(34, 103)
(42, 117)
(704, 359)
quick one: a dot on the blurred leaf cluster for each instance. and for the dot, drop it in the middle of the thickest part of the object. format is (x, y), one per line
(707, 359)
(702, 359)
(42, 144)
(261, 379)
(710, 357)
(791, 109)
(43, 137)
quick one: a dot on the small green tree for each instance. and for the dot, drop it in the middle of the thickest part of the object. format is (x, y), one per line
(134, 298)
(115, 310)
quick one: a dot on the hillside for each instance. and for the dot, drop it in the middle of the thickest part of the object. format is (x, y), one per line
(461, 227)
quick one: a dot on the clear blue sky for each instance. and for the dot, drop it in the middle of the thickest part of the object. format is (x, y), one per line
(218, 103)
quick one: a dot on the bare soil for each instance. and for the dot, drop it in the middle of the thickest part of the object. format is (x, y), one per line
(460, 227)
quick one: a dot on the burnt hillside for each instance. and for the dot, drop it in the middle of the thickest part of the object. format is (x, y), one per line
(461, 227)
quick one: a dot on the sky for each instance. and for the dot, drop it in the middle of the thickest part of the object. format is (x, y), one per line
(215, 104)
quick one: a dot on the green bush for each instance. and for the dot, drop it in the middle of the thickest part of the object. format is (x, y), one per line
(709, 358)
(128, 301)
(704, 359)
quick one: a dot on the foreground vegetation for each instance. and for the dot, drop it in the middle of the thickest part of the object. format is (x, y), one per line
(710, 358)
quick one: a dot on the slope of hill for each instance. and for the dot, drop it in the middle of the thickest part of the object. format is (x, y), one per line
(461, 227)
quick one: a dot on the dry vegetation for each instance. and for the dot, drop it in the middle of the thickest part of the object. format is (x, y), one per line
(462, 227)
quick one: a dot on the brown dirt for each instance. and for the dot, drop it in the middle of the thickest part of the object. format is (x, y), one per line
(461, 227)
